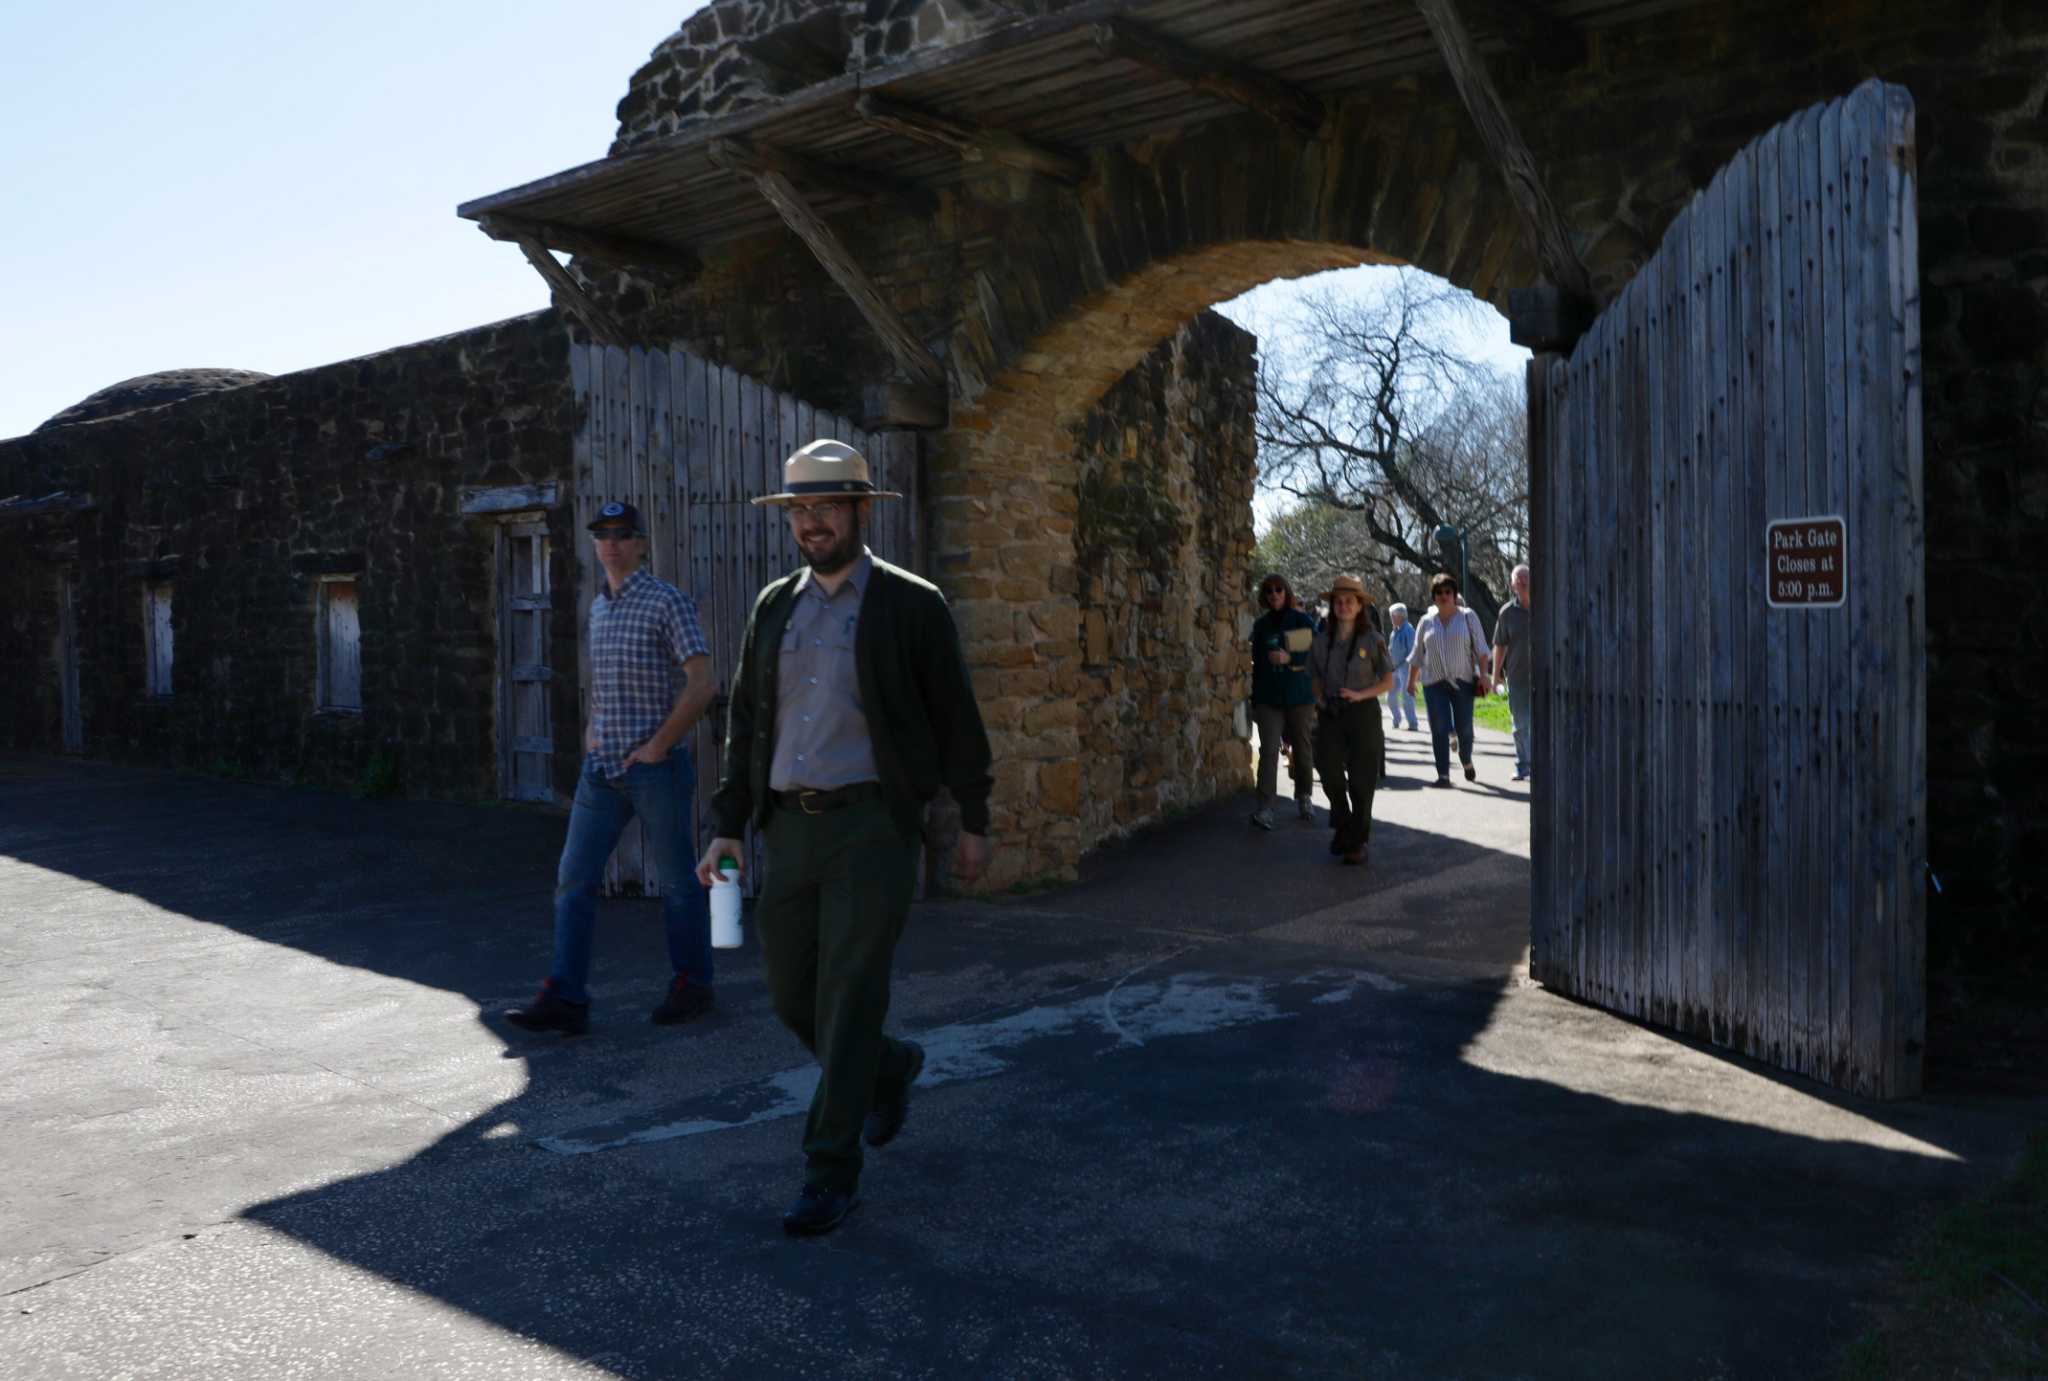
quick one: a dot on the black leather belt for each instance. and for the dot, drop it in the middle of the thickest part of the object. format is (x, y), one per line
(818, 802)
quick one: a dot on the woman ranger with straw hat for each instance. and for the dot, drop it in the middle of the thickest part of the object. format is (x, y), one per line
(1352, 670)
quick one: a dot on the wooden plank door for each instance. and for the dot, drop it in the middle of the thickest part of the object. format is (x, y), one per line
(692, 443)
(1730, 798)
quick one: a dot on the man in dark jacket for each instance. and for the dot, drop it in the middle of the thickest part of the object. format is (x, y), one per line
(850, 707)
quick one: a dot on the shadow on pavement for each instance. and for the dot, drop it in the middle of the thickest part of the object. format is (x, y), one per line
(1422, 1175)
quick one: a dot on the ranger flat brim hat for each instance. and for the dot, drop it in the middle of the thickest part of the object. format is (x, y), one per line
(825, 469)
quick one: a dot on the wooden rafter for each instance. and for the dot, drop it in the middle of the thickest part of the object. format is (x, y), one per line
(1527, 26)
(594, 318)
(1553, 241)
(820, 179)
(774, 184)
(620, 250)
(974, 143)
(1277, 100)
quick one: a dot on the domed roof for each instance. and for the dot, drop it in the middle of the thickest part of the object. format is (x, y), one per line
(151, 391)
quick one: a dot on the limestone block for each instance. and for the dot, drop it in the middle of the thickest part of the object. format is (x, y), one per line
(1051, 714)
(1059, 787)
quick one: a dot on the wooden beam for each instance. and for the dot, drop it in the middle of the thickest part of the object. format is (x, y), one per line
(621, 250)
(974, 143)
(910, 352)
(1525, 26)
(594, 318)
(21, 506)
(746, 159)
(1248, 87)
(1553, 241)
(897, 404)
(481, 500)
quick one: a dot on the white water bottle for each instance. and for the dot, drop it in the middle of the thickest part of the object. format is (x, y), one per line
(725, 906)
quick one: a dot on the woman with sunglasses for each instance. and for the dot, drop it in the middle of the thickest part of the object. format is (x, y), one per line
(1283, 701)
(1449, 663)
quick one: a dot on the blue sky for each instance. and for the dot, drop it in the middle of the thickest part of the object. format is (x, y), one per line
(271, 187)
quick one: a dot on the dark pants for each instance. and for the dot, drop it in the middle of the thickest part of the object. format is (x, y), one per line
(1298, 724)
(1450, 706)
(1350, 743)
(834, 896)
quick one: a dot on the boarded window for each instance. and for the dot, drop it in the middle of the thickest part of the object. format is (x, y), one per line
(156, 638)
(340, 643)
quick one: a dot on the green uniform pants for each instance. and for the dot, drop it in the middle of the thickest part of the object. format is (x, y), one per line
(834, 895)
(1351, 746)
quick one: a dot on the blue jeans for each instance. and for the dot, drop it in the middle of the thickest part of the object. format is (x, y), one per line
(1448, 700)
(661, 795)
(1522, 708)
(1398, 696)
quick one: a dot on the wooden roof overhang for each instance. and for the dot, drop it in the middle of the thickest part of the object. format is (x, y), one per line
(1053, 83)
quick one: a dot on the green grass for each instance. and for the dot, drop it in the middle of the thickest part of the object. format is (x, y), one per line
(1971, 1297)
(1491, 712)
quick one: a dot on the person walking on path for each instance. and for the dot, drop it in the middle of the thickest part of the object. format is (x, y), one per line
(1352, 671)
(1283, 698)
(650, 682)
(850, 707)
(1400, 647)
(1449, 663)
(1512, 659)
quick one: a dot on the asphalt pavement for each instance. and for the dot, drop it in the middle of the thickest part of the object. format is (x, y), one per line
(1223, 1108)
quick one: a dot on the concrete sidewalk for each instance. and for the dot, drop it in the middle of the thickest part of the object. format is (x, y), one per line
(1222, 1108)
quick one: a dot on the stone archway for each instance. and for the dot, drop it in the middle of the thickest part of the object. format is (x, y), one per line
(1083, 606)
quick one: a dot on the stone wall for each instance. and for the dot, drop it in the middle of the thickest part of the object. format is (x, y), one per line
(1163, 541)
(242, 500)
(1045, 296)
(736, 54)
(1099, 578)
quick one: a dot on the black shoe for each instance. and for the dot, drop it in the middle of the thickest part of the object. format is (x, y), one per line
(682, 1001)
(1471, 773)
(1441, 781)
(818, 1210)
(885, 1118)
(1356, 858)
(551, 1012)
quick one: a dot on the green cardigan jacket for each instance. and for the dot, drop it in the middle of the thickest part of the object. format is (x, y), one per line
(922, 719)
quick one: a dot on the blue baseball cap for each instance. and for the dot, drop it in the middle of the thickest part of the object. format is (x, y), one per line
(616, 514)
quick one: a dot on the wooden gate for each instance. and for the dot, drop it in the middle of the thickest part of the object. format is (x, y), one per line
(690, 442)
(1730, 829)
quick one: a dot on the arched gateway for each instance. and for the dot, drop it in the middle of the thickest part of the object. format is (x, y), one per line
(974, 221)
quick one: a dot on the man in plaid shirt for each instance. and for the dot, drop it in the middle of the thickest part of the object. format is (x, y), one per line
(650, 682)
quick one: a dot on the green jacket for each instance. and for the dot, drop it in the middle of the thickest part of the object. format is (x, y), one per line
(922, 720)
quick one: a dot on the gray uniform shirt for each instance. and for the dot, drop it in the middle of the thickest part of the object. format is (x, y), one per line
(821, 732)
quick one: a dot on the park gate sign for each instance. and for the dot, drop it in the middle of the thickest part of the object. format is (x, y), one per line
(1729, 825)
(1806, 563)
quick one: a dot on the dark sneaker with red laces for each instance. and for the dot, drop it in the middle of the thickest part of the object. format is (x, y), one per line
(551, 1012)
(818, 1210)
(683, 1002)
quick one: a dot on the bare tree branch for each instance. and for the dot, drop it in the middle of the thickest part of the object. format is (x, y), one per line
(1369, 410)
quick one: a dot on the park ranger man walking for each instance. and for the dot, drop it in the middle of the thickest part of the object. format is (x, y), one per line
(850, 707)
